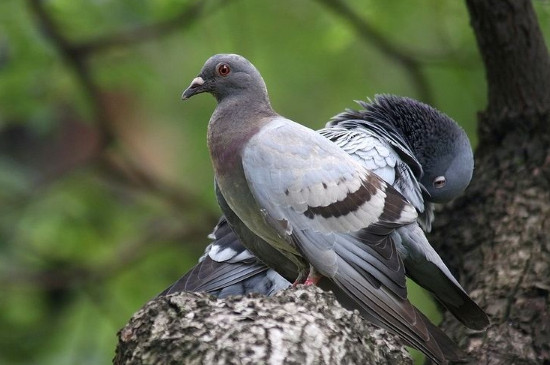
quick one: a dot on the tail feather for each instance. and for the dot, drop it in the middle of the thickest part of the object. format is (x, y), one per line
(425, 267)
(419, 332)
(459, 303)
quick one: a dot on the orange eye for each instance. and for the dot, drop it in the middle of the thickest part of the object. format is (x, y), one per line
(223, 69)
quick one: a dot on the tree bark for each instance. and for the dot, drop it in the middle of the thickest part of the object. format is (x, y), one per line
(517, 68)
(496, 237)
(302, 325)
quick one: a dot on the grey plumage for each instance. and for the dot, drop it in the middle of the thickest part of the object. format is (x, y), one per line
(227, 268)
(384, 146)
(421, 146)
(428, 141)
(311, 201)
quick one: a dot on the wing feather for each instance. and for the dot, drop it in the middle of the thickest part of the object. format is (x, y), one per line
(341, 217)
(380, 151)
(323, 185)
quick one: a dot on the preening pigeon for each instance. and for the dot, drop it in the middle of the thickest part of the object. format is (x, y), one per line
(313, 203)
(427, 157)
(422, 152)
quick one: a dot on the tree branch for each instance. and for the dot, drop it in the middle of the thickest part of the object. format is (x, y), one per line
(370, 35)
(190, 15)
(77, 56)
(302, 325)
(125, 171)
(78, 62)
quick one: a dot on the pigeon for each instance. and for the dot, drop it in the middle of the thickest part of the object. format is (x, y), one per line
(380, 137)
(308, 199)
(428, 158)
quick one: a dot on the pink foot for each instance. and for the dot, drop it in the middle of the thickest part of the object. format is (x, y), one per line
(312, 279)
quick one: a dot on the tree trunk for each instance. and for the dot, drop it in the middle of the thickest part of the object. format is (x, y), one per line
(497, 236)
(301, 325)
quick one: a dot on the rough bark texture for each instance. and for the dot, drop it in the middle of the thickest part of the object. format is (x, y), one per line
(298, 326)
(497, 236)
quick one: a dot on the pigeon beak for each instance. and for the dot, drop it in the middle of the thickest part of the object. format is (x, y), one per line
(194, 88)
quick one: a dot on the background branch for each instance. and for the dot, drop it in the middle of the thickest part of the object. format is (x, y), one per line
(182, 21)
(370, 35)
(77, 57)
(67, 275)
(78, 62)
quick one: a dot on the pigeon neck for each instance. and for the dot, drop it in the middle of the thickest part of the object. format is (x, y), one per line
(234, 122)
(243, 107)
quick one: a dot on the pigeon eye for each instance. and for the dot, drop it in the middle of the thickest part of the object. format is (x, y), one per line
(223, 70)
(439, 182)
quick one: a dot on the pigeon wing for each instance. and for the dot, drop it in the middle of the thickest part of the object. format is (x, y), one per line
(340, 216)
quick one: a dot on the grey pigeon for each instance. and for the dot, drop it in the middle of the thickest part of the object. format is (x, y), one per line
(312, 202)
(381, 138)
(427, 157)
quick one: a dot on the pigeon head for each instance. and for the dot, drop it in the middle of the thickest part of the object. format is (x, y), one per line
(438, 142)
(228, 75)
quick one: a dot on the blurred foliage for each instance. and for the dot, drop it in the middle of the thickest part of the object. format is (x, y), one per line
(106, 188)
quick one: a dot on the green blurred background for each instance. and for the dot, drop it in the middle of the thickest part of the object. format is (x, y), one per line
(105, 183)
